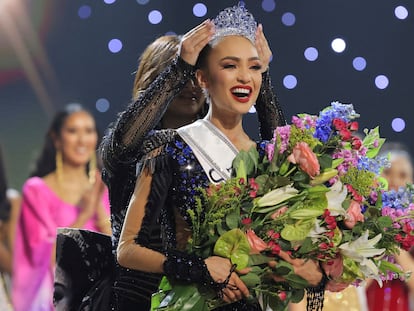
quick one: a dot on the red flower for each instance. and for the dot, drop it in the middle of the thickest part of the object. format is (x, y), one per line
(353, 126)
(246, 221)
(339, 124)
(345, 134)
(282, 296)
(356, 143)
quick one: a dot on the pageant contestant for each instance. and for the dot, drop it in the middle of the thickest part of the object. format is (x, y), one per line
(175, 165)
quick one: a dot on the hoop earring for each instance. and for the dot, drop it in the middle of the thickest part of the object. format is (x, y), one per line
(59, 166)
(92, 169)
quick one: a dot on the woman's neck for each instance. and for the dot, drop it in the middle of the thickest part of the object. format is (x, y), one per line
(74, 173)
(232, 128)
(172, 122)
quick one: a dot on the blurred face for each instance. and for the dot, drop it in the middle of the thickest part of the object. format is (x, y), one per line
(399, 174)
(62, 296)
(188, 103)
(233, 75)
(78, 138)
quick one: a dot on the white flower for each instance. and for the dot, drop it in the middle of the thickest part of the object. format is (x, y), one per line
(277, 196)
(336, 196)
(317, 231)
(361, 250)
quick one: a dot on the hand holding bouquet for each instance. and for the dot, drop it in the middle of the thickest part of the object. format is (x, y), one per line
(314, 192)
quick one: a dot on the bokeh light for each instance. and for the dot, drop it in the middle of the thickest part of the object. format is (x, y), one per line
(290, 82)
(115, 45)
(155, 17)
(359, 63)
(381, 82)
(398, 124)
(142, 2)
(199, 10)
(338, 45)
(401, 12)
(84, 11)
(109, 1)
(288, 19)
(102, 105)
(311, 54)
(268, 5)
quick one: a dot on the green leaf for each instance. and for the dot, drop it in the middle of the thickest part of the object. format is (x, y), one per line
(232, 220)
(298, 231)
(234, 245)
(297, 295)
(250, 279)
(325, 161)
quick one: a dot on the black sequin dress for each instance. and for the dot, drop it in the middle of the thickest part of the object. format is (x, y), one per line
(176, 176)
(122, 149)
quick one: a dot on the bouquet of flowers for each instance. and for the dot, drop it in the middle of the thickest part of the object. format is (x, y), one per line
(313, 191)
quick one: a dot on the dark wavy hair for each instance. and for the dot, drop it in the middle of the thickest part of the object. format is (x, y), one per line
(46, 162)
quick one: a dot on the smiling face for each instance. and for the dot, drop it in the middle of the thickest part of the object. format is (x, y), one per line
(231, 75)
(78, 138)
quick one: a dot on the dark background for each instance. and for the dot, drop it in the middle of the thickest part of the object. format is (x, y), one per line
(49, 57)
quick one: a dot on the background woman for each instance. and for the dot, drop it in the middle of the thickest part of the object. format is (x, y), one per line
(64, 190)
(395, 295)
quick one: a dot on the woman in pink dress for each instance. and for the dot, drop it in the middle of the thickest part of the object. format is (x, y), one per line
(65, 190)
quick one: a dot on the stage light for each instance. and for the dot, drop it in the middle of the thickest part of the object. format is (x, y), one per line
(115, 45)
(288, 19)
(401, 12)
(199, 10)
(155, 17)
(290, 82)
(359, 63)
(398, 124)
(338, 45)
(268, 5)
(311, 54)
(102, 105)
(84, 11)
(381, 81)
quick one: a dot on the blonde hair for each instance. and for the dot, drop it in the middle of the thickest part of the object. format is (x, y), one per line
(155, 58)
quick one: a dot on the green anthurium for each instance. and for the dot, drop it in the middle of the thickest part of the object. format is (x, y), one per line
(234, 245)
(298, 231)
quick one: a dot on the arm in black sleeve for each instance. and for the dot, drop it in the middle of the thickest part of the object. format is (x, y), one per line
(268, 109)
(122, 144)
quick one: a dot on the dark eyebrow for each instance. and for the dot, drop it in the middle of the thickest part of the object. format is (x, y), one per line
(238, 58)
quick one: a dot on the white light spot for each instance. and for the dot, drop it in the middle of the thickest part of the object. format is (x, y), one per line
(338, 45)
(381, 82)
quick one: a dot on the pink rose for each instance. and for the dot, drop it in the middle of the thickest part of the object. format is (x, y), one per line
(257, 245)
(334, 267)
(307, 160)
(353, 214)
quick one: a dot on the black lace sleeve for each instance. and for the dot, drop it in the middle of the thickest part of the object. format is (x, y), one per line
(122, 143)
(268, 109)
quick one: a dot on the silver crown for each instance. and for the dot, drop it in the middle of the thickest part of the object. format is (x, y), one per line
(235, 20)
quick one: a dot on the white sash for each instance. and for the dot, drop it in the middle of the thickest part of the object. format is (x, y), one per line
(211, 147)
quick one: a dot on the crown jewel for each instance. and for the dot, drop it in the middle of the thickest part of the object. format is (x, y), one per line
(235, 20)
